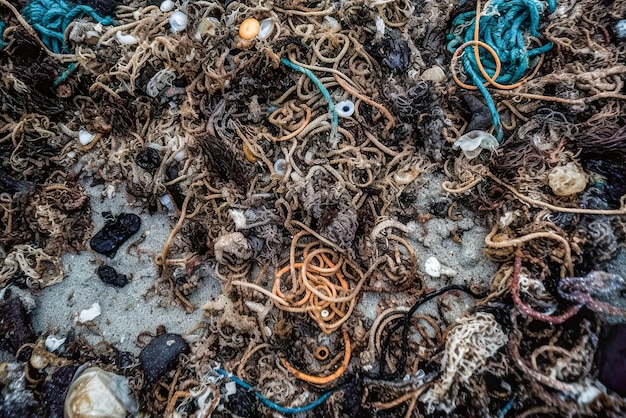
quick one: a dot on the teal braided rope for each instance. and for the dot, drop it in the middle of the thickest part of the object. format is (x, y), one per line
(505, 26)
(51, 17)
(2, 26)
(325, 93)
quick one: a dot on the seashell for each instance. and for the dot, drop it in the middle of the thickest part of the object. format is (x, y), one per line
(167, 6)
(280, 166)
(345, 108)
(265, 29)
(249, 28)
(178, 21)
(434, 74)
(125, 39)
(96, 393)
(434, 268)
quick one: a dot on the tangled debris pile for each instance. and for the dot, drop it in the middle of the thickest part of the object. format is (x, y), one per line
(292, 144)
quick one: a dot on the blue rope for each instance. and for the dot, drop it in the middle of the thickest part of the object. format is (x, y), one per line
(272, 405)
(2, 26)
(505, 26)
(70, 69)
(325, 93)
(51, 17)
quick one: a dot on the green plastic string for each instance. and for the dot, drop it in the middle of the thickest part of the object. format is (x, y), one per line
(325, 93)
(51, 17)
(505, 26)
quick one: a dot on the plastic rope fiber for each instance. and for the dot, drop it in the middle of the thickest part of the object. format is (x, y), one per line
(272, 405)
(325, 93)
(2, 26)
(507, 27)
(51, 17)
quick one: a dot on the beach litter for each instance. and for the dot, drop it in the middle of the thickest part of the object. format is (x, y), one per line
(333, 209)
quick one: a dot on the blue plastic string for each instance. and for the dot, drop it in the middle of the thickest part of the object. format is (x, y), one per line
(325, 93)
(505, 26)
(51, 17)
(272, 405)
(2, 26)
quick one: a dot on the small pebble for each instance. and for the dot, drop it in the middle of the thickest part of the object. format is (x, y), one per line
(114, 233)
(148, 159)
(108, 275)
(160, 354)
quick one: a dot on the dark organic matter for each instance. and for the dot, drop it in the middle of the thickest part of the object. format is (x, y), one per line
(15, 327)
(113, 234)
(110, 276)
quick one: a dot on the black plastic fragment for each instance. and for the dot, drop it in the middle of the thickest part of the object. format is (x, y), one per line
(110, 276)
(15, 327)
(148, 159)
(114, 233)
(160, 354)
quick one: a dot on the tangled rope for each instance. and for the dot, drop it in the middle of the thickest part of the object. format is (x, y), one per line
(504, 31)
(51, 17)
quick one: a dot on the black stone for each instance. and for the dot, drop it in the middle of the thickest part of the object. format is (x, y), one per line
(108, 275)
(113, 234)
(55, 389)
(15, 327)
(161, 354)
(148, 159)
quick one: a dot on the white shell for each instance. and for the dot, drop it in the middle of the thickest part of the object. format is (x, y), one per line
(90, 314)
(434, 74)
(267, 26)
(345, 108)
(84, 137)
(280, 166)
(167, 6)
(432, 267)
(125, 39)
(178, 21)
(97, 393)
